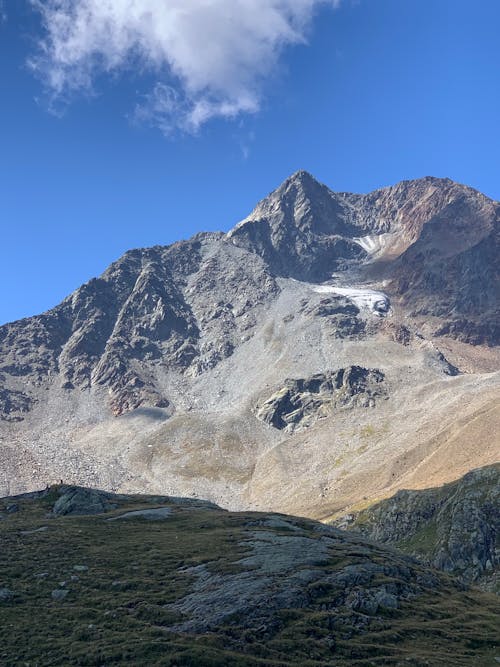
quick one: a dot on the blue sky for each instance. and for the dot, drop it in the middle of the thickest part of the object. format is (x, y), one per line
(103, 150)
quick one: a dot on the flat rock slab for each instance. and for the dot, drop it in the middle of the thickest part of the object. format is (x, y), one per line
(42, 529)
(151, 515)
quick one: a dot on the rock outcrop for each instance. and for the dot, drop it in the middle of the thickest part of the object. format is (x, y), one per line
(300, 403)
(75, 501)
(341, 313)
(455, 528)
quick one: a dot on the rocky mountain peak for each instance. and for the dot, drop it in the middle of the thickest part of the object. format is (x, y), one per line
(228, 344)
(432, 240)
(302, 178)
(301, 186)
(302, 229)
(300, 201)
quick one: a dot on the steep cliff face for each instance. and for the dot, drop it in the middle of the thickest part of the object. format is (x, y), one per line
(456, 528)
(302, 230)
(180, 307)
(451, 270)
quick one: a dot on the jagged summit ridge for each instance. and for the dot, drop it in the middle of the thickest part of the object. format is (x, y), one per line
(432, 240)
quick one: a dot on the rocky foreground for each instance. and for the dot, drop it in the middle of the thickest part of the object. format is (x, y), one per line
(94, 578)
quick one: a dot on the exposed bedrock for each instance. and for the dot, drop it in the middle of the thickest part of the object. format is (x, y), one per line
(455, 528)
(302, 402)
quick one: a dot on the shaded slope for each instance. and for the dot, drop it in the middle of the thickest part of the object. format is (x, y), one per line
(92, 578)
(455, 527)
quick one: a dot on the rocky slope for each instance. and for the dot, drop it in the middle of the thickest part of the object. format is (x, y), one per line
(455, 528)
(193, 369)
(95, 578)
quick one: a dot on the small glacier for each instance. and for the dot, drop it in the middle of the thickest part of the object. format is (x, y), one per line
(365, 298)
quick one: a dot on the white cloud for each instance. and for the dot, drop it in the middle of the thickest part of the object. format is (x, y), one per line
(210, 58)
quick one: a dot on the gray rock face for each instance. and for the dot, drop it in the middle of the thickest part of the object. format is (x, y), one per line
(342, 315)
(184, 306)
(13, 404)
(455, 528)
(302, 230)
(296, 569)
(78, 501)
(300, 403)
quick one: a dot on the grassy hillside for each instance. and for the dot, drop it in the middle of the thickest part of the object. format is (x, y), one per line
(191, 584)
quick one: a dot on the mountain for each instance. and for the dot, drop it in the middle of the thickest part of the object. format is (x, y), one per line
(455, 528)
(436, 241)
(93, 578)
(329, 350)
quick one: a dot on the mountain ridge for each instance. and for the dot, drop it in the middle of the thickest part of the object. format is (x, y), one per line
(183, 343)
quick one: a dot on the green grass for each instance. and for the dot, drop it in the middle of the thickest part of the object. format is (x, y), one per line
(422, 542)
(116, 614)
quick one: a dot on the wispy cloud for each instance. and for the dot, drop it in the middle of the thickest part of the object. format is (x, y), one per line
(210, 58)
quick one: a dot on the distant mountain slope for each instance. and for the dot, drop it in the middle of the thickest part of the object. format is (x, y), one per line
(93, 578)
(455, 528)
(193, 368)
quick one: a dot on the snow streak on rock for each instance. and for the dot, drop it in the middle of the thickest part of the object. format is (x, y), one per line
(365, 298)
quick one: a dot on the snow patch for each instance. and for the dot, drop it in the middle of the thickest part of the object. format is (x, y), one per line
(374, 244)
(365, 298)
